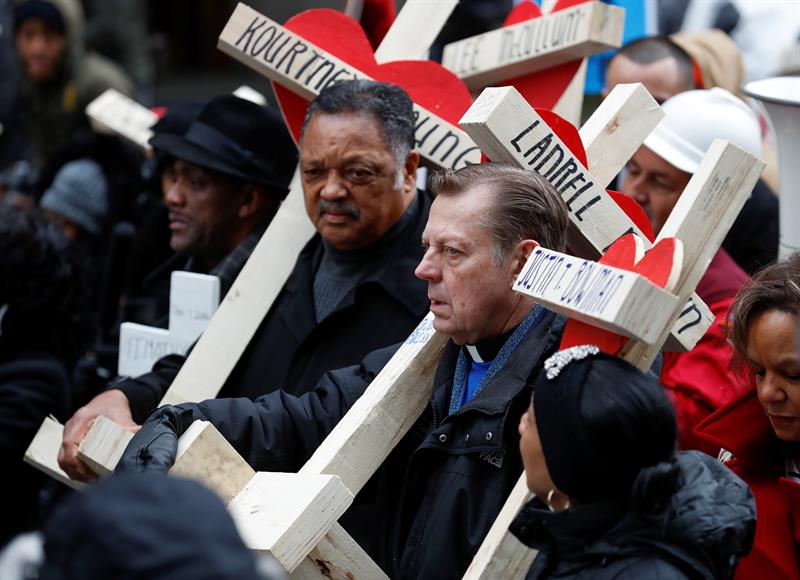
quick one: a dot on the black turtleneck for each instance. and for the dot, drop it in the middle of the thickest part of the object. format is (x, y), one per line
(340, 272)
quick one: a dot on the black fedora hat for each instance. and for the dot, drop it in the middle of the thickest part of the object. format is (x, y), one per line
(238, 138)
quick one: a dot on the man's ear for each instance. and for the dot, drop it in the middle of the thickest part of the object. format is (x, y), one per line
(255, 200)
(520, 255)
(410, 172)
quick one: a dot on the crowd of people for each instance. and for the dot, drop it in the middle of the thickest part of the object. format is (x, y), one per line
(689, 470)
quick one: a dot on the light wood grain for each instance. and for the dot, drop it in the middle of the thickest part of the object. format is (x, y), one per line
(306, 69)
(414, 29)
(536, 44)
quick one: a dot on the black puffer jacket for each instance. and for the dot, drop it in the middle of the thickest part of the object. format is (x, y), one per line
(437, 494)
(709, 524)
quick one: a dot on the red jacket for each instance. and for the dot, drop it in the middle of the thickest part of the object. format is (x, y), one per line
(742, 428)
(700, 381)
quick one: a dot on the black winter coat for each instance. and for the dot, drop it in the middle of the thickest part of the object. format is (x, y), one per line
(709, 523)
(439, 491)
(291, 350)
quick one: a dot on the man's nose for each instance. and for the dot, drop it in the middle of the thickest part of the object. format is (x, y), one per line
(636, 188)
(427, 269)
(174, 196)
(334, 187)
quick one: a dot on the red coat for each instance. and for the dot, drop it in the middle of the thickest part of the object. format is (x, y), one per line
(701, 381)
(743, 429)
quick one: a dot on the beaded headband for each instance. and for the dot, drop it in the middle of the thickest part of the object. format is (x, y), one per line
(562, 358)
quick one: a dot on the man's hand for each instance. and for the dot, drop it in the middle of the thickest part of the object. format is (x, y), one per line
(112, 404)
(155, 446)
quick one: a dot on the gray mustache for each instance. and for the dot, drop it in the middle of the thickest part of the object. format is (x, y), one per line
(338, 207)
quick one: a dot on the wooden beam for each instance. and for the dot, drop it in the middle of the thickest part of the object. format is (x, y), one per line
(205, 455)
(501, 555)
(537, 44)
(103, 445)
(338, 557)
(597, 294)
(269, 502)
(246, 303)
(42, 453)
(115, 113)
(508, 129)
(413, 31)
(629, 106)
(383, 414)
(305, 69)
(701, 219)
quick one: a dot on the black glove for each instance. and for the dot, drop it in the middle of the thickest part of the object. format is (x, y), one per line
(155, 446)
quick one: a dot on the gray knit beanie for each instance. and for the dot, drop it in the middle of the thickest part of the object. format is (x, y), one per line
(79, 192)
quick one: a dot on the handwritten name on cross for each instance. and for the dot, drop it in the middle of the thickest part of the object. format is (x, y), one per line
(305, 69)
(540, 43)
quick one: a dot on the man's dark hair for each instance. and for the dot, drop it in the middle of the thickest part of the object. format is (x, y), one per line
(42, 286)
(655, 48)
(775, 287)
(389, 104)
(527, 205)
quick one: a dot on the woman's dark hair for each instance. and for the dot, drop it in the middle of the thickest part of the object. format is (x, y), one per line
(608, 433)
(42, 287)
(775, 287)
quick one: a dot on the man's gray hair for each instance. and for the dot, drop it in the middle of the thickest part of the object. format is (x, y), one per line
(526, 207)
(388, 104)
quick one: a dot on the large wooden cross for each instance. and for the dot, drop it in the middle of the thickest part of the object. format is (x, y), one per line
(700, 220)
(507, 54)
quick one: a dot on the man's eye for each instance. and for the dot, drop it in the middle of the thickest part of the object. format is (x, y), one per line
(451, 251)
(359, 175)
(312, 173)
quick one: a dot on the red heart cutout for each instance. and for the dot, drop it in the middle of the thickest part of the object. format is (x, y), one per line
(542, 88)
(661, 265)
(428, 83)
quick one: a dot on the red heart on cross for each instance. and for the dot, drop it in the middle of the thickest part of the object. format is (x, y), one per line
(428, 83)
(661, 265)
(542, 88)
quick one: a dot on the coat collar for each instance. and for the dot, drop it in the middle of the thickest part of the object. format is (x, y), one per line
(742, 428)
(511, 379)
(394, 272)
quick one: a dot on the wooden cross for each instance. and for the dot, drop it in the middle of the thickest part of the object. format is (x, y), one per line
(193, 299)
(510, 130)
(564, 36)
(117, 113)
(701, 219)
(510, 54)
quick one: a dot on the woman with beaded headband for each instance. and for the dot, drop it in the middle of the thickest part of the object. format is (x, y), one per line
(759, 433)
(613, 498)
